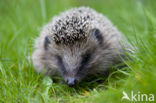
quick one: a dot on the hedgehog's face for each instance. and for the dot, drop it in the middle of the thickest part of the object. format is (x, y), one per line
(76, 60)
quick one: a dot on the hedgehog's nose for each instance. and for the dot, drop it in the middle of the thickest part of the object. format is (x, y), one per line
(71, 81)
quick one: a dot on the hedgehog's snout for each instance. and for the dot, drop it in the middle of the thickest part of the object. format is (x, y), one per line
(71, 81)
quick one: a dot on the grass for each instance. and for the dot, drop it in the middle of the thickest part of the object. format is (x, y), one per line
(21, 22)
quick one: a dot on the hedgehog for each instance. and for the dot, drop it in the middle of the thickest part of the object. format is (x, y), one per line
(77, 43)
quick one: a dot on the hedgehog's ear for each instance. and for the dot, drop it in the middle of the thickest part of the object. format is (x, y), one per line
(46, 42)
(96, 33)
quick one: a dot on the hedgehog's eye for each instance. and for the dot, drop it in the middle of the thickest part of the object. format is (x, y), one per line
(85, 60)
(60, 64)
(86, 57)
(46, 42)
(83, 69)
(98, 35)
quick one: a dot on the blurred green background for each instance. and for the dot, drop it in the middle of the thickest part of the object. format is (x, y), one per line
(21, 22)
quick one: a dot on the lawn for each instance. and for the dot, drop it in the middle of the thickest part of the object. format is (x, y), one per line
(21, 22)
